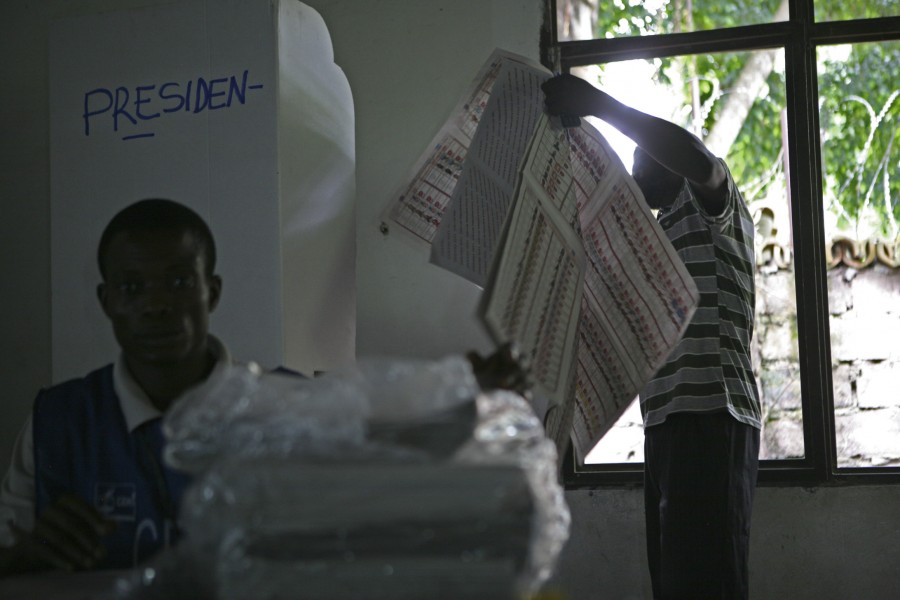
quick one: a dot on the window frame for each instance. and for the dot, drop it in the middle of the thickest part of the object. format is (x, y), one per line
(799, 37)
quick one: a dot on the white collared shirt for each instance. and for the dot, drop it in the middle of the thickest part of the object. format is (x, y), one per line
(17, 496)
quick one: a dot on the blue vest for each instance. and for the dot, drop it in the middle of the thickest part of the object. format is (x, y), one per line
(82, 446)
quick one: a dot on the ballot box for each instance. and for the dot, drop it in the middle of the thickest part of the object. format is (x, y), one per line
(393, 480)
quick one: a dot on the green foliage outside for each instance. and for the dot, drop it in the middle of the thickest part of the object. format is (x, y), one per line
(859, 91)
(859, 122)
(838, 10)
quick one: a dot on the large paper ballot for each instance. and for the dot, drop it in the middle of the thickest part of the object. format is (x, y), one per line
(418, 207)
(575, 268)
(633, 298)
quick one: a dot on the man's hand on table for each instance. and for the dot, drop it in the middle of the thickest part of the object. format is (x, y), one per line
(66, 536)
(505, 369)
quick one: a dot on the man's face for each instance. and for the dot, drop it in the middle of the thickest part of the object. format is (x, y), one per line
(158, 297)
(659, 185)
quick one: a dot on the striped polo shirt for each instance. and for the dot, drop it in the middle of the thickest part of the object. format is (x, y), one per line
(710, 369)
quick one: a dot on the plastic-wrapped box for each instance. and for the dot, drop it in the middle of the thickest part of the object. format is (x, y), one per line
(396, 480)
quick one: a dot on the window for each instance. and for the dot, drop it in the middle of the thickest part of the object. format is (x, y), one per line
(859, 91)
(802, 98)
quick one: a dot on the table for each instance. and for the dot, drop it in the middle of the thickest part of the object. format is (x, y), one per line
(58, 585)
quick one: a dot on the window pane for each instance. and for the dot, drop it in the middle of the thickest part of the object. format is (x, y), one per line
(841, 10)
(579, 20)
(624, 443)
(735, 103)
(859, 88)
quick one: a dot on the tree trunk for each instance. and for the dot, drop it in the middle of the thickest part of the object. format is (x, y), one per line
(744, 93)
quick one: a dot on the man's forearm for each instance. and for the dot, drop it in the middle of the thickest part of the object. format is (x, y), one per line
(672, 146)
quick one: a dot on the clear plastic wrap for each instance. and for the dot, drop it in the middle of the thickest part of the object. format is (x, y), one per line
(251, 413)
(395, 480)
(508, 432)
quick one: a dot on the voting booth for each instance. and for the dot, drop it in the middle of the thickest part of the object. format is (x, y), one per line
(236, 109)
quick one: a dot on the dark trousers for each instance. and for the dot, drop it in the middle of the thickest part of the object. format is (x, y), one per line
(699, 478)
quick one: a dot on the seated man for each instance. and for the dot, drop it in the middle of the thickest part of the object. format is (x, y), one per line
(87, 487)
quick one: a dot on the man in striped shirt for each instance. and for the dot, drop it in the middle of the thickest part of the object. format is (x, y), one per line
(701, 409)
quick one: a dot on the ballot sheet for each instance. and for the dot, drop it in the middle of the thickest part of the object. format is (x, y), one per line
(637, 298)
(576, 270)
(418, 207)
(534, 293)
(466, 241)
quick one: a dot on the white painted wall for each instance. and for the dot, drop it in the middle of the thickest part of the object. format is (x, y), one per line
(407, 61)
(805, 544)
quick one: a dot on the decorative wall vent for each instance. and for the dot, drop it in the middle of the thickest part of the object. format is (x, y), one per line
(860, 254)
(772, 255)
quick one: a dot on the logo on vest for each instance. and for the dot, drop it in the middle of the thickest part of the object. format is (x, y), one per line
(117, 501)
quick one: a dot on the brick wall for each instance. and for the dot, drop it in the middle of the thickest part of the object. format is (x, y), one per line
(864, 304)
